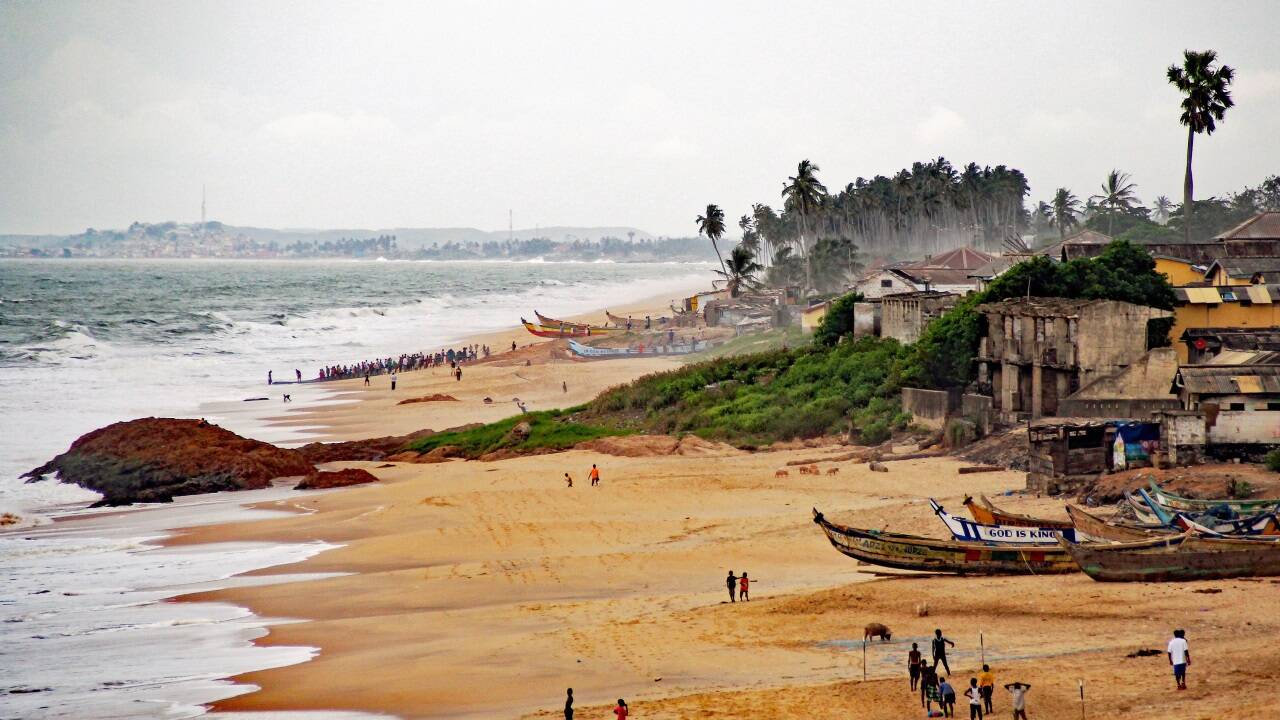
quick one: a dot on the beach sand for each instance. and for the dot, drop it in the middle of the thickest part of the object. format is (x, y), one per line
(485, 589)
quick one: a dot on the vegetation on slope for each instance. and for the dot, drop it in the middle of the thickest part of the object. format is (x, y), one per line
(549, 430)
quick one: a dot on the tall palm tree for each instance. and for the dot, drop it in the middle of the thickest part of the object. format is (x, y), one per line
(1206, 99)
(750, 238)
(1163, 207)
(1117, 196)
(712, 225)
(740, 271)
(805, 192)
(1065, 208)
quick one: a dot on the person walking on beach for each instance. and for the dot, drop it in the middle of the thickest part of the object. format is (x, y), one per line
(458, 373)
(594, 475)
(987, 686)
(732, 583)
(913, 665)
(1018, 695)
(297, 374)
(947, 698)
(744, 587)
(1179, 658)
(975, 699)
(564, 385)
(268, 377)
(621, 711)
(366, 378)
(568, 705)
(940, 650)
(393, 381)
(568, 481)
(513, 346)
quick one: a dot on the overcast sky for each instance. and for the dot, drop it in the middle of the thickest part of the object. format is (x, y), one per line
(317, 114)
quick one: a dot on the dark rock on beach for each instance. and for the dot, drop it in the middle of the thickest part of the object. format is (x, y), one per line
(323, 479)
(157, 459)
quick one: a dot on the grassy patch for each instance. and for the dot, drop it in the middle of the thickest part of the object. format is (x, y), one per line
(775, 339)
(554, 430)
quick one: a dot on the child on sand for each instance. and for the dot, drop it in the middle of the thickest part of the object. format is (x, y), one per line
(393, 381)
(975, 699)
(1018, 692)
(948, 695)
(568, 481)
(1179, 658)
(928, 685)
(595, 475)
(743, 586)
(940, 650)
(987, 686)
(621, 711)
(732, 583)
(568, 705)
(913, 665)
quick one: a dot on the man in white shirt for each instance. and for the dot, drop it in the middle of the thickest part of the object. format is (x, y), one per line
(1019, 693)
(1179, 658)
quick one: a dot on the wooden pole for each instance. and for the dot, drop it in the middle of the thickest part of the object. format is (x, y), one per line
(983, 645)
(864, 659)
(1082, 700)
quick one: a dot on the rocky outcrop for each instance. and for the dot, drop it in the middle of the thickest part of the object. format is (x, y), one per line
(437, 397)
(323, 479)
(157, 459)
(382, 448)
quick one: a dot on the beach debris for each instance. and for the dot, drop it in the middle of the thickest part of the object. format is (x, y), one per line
(9, 519)
(980, 469)
(1143, 652)
(922, 609)
(876, 630)
(434, 397)
(324, 479)
(255, 399)
(877, 466)
(1208, 591)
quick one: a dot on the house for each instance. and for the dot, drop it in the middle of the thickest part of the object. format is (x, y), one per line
(903, 316)
(1133, 392)
(1082, 244)
(1179, 271)
(1233, 272)
(1063, 453)
(948, 272)
(1038, 351)
(1247, 307)
(1228, 410)
(811, 317)
(1204, 344)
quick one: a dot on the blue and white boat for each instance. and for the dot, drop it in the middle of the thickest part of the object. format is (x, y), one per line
(968, 530)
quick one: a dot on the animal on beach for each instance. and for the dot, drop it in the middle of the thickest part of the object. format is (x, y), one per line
(804, 469)
(813, 470)
(833, 471)
(781, 473)
(873, 630)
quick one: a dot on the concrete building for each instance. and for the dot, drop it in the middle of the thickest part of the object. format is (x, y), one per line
(1134, 392)
(1259, 236)
(1038, 351)
(1202, 345)
(947, 272)
(1229, 411)
(1247, 307)
(904, 316)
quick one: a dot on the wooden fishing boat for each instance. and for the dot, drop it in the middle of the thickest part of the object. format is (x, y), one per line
(1176, 558)
(641, 350)
(911, 552)
(560, 331)
(1171, 501)
(1091, 528)
(988, 514)
(970, 531)
(553, 323)
(1261, 525)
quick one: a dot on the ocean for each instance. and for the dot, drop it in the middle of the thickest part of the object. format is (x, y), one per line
(85, 630)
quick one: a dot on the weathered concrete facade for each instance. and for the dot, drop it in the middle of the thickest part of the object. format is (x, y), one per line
(1134, 392)
(1038, 351)
(929, 408)
(904, 316)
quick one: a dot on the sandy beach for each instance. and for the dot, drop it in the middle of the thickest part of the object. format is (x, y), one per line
(484, 589)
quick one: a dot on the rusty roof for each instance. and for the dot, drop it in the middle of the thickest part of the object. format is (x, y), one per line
(1246, 267)
(1088, 237)
(962, 258)
(1230, 379)
(1263, 226)
(920, 295)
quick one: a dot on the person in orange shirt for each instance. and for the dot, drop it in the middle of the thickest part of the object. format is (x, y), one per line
(743, 586)
(595, 475)
(986, 686)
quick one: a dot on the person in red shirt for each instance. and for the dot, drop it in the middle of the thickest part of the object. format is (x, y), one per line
(595, 475)
(743, 586)
(622, 710)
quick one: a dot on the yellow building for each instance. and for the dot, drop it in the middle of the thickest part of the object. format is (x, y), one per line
(1237, 306)
(1228, 272)
(1179, 271)
(812, 316)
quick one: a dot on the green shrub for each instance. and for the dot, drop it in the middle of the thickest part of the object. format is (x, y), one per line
(1272, 460)
(838, 321)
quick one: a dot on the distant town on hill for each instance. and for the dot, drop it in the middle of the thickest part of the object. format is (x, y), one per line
(218, 240)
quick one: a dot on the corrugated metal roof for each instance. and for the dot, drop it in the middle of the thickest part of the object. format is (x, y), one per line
(1259, 294)
(1203, 296)
(1246, 267)
(1231, 379)
(1263, 226)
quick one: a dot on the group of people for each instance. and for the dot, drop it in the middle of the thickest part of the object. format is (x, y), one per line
(620, 711)
(409, 361)
(934, 687)
(741, 584)
(594, 475)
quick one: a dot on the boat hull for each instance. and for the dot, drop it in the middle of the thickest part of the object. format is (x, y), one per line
(985, 512)
(1091, 528)
(970, 531)
(1178, 558)
(1192, 505)
(909, 552)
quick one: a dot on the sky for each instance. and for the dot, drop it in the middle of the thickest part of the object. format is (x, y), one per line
(449, 114)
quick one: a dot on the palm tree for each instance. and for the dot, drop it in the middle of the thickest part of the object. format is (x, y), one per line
(1117, 196)
(750, 238)
(804, 191)
(1065, 208)
(741, 270)
(712, 225)
(1206, 99)
(1163, 207)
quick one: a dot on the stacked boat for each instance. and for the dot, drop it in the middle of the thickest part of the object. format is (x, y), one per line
(1176, 539)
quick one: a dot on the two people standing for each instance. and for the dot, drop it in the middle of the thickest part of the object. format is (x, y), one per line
(740, 584)
(620, 711)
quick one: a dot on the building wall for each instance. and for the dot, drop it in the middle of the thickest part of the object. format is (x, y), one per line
(1254, 427)
(1112, 335)
(927, 407)
(866, 319)
(1179, 272)
(810, 319)
(1231, 314)
(872, 287)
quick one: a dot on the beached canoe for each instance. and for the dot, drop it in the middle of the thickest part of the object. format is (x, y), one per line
(985, 512)
(636, 323)
(562, 331)
(1091, 528)
(1176, 558)
(1260, 525)
(911, 552)
(594, 353)
(970, 531)
(1171, 501)
(553, 323)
